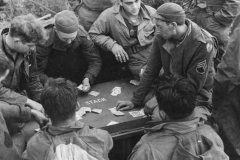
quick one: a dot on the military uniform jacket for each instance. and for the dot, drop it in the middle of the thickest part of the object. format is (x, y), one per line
(22, 76)
(78, 61)
(192, 59)
(92, 142)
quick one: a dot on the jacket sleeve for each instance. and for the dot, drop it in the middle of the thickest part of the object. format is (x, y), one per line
(153, 68)
(93, 58)
(34, 87)
(201, 64)
(228, 12)
(100, 30)
(42, 60)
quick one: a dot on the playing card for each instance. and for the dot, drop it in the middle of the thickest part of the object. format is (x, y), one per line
(114, 93)
(116, 88)
(37, 130)
(115, 112)
(80, 87)
(81, 113)
(112, 123)
(134, 82)
(97, 111)
(94, 93)
(137, 113)
(86, 109)
(78, 116)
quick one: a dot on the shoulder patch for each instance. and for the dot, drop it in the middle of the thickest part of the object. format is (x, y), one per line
(201, 67)
(209, 47)
(8, 140)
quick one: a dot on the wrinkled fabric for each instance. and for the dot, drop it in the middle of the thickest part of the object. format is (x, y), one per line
(95, 142)
(183, 60)
(110, 28)
(75, 62)
(226, 110)
(8, 150)
(190, 140)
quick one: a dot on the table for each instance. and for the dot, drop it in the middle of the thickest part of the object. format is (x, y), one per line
(129, 130)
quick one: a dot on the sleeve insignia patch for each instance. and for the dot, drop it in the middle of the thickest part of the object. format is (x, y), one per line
(201, 67)
(209, 47)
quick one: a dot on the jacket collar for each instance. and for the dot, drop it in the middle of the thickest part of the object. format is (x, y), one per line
(62, 130)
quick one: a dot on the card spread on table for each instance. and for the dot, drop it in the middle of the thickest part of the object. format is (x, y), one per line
(94, 93)
(115, 112)
(86, 109)
(116, 91)
(112, 123)
(137, 113)
(134, 82)
(97, 111)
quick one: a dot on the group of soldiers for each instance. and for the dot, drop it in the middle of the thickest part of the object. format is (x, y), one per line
(188, 51)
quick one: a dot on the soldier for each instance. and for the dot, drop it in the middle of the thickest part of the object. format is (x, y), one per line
(181, 48)
(126, 30)
(68, 52)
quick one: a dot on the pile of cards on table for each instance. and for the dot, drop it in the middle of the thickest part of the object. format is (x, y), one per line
(115, 112)
(82, 111)
(137, 113)
(94, 93)
(116, 91)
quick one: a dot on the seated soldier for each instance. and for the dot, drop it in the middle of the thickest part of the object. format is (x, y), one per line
(181, 136)
(11, 148)
(20, 90)
(127, 31)
(68, 52)
(66, 138)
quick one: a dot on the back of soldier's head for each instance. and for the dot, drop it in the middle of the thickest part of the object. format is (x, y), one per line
(176, 97)
(59, 99)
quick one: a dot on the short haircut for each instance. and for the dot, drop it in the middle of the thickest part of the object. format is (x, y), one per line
(176, 97)
(59, 99)
(28, 29)
(4, 65)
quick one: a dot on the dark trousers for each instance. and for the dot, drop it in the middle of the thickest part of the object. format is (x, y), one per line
(226, 112)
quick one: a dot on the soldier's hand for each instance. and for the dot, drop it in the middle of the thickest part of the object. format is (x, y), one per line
(39, 118)
(35, 105)
(86, 85)
(119, 53)
(150, 106)
(124, 105)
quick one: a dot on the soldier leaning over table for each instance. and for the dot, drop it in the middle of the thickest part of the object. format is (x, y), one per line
(20, 90)
(11, 147)
(68, 52)
(126, 30)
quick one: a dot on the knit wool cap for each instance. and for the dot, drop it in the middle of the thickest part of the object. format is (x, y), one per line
(170, 12)
(66, 21)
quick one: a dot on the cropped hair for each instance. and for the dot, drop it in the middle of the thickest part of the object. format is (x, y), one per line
(4, 65)
(176, 97)
(28, 28)
(59, 99)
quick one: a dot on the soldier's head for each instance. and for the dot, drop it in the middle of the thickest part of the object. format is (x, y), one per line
(131, 7)
(4, 68)
(66, 26)
(25, 31)
(176, 96)
(169, 18)
(59, 100)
